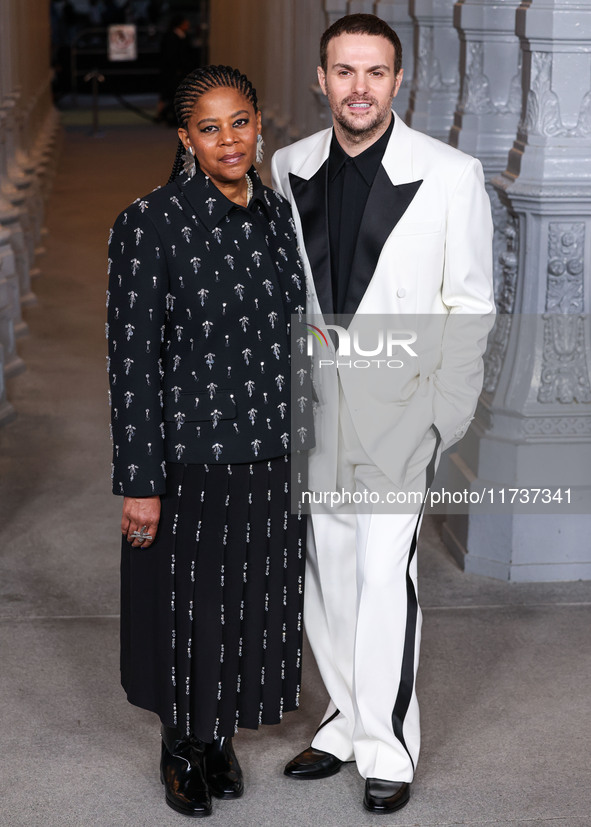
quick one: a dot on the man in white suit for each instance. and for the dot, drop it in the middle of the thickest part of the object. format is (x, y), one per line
(390, 221)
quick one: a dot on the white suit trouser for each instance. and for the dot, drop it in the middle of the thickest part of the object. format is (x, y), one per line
(363, 620)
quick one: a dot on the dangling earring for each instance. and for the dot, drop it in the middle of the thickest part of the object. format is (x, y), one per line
(260, 149)
(189, 162)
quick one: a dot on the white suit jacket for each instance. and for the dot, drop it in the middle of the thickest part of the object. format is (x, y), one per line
(424, 251)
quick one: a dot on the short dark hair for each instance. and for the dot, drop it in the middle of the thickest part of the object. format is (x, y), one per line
(361, 24)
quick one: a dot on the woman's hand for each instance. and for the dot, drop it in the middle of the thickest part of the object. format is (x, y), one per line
(138, 513)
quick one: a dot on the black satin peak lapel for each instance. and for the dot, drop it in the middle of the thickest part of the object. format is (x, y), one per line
(310, 198)
(386, 204)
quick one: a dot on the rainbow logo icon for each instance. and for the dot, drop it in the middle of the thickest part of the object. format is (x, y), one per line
(318, 334)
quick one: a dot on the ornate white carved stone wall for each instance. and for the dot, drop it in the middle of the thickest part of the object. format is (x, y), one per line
(436, 78)
(488, 109)
(535, 414)
(10, 308)
(487, 112)
(28, 134)
(6, 410)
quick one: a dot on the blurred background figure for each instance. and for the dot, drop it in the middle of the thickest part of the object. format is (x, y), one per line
(65, 22)
(96, 13)
(177, 59)
(142, 12)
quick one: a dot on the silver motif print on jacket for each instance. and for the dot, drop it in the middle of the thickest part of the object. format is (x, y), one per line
(174, 314)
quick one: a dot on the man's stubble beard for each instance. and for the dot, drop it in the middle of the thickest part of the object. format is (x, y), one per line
(366, 131)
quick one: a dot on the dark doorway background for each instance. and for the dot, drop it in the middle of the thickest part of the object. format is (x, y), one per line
(79, 44)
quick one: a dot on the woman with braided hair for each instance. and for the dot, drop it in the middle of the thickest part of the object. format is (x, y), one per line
(204, 277)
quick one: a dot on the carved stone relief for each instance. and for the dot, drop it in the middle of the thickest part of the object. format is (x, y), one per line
(476, 97)
(506, 261)
(583, 127)
(542, 113)
(500, 217)
(564, 288)
(514, 98)
(565, 375)
(552, 426)
(428, 69)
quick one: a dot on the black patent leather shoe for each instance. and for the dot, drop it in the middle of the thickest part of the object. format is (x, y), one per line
(385, 796)
(222, 770)
(183, 776)
(313, 763)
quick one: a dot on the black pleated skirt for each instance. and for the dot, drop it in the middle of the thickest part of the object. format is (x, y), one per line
(212, 612)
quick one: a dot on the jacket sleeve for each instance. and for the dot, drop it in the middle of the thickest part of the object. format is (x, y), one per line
(278, 184)
(288, 261)
(467, 291)
(136, 318)
(446, 397)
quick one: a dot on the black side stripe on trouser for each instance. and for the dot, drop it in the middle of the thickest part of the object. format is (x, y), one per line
(328, 720)
(407, 672)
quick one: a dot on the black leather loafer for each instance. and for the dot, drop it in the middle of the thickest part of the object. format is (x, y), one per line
(313, 763)
(182, 773)
(385, 796)
(222, 770)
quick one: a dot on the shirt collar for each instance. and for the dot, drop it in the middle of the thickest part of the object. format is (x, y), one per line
(367, 163)
(211, 205)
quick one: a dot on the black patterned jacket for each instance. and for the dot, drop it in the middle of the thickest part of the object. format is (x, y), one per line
(199, 302)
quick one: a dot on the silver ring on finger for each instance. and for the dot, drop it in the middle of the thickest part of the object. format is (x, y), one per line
(142, 534)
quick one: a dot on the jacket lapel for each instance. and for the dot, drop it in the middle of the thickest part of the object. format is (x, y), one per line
(386, 204)
(310, 196)
(391, 194)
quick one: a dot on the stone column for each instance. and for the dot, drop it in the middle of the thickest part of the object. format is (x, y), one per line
(436, 79)
(7, 412)
(19, 168)
(361, 7)
(489, 106)
(9, 306)
(13, 184)
(14, 191)
(335, 9)
(488, 109)
(535, 414)
(37, 124)
(10, 219)
(12, 203)
(396, 13)
(8, 215)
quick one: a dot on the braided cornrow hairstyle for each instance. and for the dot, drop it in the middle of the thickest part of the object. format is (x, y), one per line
(196, 84)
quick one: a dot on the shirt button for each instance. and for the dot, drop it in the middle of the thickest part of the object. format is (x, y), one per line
(401, 292)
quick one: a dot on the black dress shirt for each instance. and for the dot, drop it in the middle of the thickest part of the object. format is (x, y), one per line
(200, 296)
(349, 181)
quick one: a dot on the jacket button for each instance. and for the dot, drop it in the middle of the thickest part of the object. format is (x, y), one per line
(401, 292)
